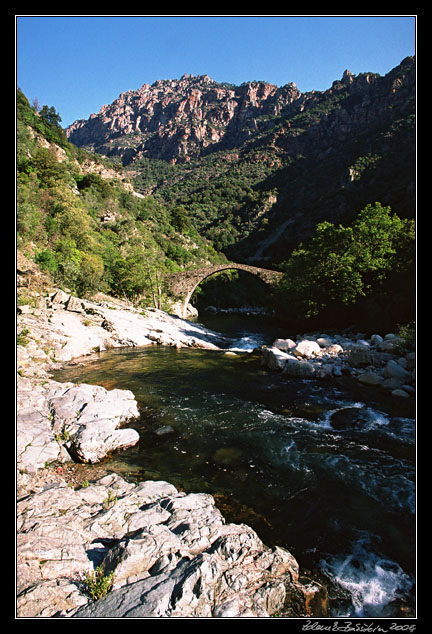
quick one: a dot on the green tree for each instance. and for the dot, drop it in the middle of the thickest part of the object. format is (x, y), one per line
(383, 242)
(48, 168)
(91, 271)
(341, 264)
(96, 182)
(46, 122)
(72, 218)
(47, 260)
(139, 274)
(180, 218)
(51, 115)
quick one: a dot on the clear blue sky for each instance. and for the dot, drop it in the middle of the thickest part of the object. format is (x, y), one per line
(79, 63)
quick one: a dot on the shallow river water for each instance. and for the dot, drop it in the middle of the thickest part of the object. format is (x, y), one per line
(341, 498)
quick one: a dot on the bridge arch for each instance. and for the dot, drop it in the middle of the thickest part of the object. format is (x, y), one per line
(182, 285)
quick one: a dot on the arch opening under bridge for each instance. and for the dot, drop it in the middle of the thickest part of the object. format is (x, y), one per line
(182, 285)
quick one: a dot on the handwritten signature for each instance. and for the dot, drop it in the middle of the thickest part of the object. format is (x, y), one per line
(349, 626)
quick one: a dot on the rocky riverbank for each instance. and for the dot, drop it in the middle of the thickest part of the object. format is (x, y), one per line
(57, 421)
(169, 554)
(172, 555)
(378, 361)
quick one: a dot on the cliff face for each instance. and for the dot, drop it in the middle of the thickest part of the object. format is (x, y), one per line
(179, 119)
(176, 120)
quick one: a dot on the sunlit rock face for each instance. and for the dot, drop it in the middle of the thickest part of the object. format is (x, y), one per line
(179, 119)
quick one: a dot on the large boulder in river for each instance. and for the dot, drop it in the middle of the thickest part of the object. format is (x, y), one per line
(284, 344)
(349, 418)
(298, 368)
(307, 349)
(87, 418)
(93, 444)
(273, 358)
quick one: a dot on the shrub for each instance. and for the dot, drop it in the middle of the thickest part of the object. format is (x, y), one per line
(407, 334)
(97, 584)
(21, 339)
(47, 260)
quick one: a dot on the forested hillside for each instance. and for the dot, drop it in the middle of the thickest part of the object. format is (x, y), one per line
(80, 220)
(319, 185)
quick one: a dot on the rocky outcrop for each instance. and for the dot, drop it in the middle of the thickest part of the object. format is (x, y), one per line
(63, 327)
(171, 555)
(56, 421)
(185, 118)
(174, 119)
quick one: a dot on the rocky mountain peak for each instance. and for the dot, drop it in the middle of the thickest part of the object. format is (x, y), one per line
(176, 119)
(180, 119)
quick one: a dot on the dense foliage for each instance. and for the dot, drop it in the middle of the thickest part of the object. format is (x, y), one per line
(220, 191)
(91, 233)
(239, 199)
(341, 265)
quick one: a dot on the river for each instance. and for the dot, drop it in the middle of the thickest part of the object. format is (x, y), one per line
(342, 500)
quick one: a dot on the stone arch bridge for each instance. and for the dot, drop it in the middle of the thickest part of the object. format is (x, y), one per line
(182, 285)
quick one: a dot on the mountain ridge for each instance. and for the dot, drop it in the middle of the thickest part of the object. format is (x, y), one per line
(179, 119)
(258, 164)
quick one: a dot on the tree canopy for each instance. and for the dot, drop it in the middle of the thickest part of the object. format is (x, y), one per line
(341, 264)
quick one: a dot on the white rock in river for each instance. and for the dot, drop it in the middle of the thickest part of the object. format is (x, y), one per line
(335, 349)
(273, 358)
(307, 349)
(87, 418)
(95, 441)
(284, 344)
